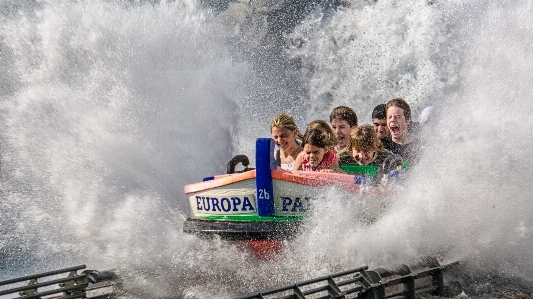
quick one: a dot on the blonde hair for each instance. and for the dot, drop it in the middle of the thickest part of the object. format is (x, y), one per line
(364, 139)
(324, 126)
(283, 120)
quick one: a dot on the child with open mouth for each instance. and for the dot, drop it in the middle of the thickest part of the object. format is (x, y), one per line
(317, 155)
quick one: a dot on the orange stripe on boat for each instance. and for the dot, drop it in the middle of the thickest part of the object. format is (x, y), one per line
(219, 181)
(342, 181)
(308, 178)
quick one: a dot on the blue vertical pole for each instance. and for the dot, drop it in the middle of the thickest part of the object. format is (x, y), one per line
(264, 163)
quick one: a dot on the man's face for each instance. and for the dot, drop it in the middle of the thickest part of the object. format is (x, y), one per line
(397, 123)
(342, 130)
(380, 126)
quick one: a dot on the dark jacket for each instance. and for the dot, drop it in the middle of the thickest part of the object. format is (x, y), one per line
(409, 152)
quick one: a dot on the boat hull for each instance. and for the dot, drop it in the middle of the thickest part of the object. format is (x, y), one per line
(268, 203)
(243, 230)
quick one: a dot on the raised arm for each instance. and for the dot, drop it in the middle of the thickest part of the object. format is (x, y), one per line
(298, 162)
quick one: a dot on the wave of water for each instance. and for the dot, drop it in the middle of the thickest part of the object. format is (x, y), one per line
(107, 111)
(468, 199)
(109, 108)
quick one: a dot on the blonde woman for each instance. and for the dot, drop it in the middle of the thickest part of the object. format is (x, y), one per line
(287, 138)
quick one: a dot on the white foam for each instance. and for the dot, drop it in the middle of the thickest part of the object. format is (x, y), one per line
(109, 109)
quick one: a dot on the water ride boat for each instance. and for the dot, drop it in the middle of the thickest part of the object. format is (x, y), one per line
(267, 204)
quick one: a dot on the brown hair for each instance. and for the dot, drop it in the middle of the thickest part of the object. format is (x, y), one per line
(283, 120)
(324, 126)
(316, 137)
(364, 139)
(400, 103)
(344, 113)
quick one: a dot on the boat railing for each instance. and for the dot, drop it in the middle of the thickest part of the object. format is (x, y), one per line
(362, 283)
(53, 284)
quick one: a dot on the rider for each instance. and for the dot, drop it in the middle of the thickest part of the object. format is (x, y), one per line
(401, 142)
(343, 119)
(317, 153)
(366, 149)
(288, 139)
(379, 119)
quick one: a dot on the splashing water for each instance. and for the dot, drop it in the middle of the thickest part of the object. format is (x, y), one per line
(468, 199)
(105, 121)
(109, 108)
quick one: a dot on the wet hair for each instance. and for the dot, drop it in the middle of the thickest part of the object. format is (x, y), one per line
(365, 139)
(283, 120)
(379, 112)
(324, 126)
(316, 137)
(400, 103)
(344, 113)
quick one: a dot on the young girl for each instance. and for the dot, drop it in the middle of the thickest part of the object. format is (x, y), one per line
(316, 155)
(288, 139)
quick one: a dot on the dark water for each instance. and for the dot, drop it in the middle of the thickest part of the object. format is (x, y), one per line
(108, 108)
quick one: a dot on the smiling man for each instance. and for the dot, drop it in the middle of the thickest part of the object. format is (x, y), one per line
(343, 119)
(400, 142)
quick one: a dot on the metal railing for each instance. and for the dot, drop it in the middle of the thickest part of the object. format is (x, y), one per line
(87, 284)
(362, 283)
